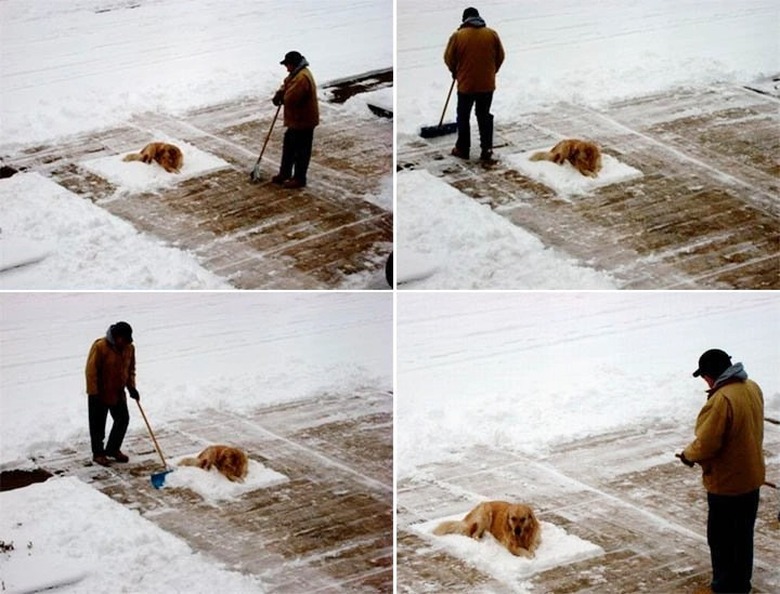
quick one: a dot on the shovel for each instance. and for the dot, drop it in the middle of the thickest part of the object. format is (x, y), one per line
(442, 129)
(158, 478)
(255, 175)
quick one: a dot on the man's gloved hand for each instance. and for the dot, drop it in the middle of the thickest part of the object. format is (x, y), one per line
(278, 97)
(133, 393)
(684, 460)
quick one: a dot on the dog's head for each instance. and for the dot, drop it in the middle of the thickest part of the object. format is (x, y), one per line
(522, 522)
(233, 462)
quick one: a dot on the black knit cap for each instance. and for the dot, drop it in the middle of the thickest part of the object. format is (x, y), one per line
(293, 58)
(122, 329)
(712, 363)
(470, 12)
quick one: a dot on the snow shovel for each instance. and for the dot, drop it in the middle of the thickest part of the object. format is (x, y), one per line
(158, 478)
(442, 129)
(255, 175)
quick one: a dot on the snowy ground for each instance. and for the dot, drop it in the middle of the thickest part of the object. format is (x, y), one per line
(92, 65)
(194, 351)
(474, 367)
(584, 55)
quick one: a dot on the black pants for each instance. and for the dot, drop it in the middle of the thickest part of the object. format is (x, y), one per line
(730, 525)
(296, 153)
(98, 412)
(481, 102)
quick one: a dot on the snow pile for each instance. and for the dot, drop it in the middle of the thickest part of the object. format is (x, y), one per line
(18, 251)
(466, 246)
(94, 249)
(214, 487)
(556, 548)
(565, 180)
(136, 176)
(66, 532)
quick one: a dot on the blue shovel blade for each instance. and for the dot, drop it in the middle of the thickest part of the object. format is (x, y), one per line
(158, 479)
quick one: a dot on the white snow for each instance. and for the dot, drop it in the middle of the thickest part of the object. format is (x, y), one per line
(565, 180)
(527, 371)
(585, 53)
(19, 251)
(64, 531)
(135, 176)
(70, 67)
(92, 249)
(466, 246)
(232, 351)
(557, 547)
(214, 488)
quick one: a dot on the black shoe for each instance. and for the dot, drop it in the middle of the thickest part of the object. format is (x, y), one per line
(294, 184)
(278, 180)
(456, 152)
(102, 460)
(118, 456)
(487, 158)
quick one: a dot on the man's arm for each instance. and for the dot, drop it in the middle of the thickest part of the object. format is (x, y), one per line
(92, 370)
(450, 55)
(710, 429)
(500, 54)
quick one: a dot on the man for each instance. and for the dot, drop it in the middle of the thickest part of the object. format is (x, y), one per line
(728, 446)
(298, 94)
(110, 369)
(474, 55)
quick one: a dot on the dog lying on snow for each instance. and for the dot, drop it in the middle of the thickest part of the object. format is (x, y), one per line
(167, 155)
(230, 461)
(584, 155)
(514, 525)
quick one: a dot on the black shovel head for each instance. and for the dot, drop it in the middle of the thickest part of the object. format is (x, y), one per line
(443, 130)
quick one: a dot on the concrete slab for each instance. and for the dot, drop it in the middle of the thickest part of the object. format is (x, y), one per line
(258, 236)
(623, 491)
(328, 529)
(705, 215)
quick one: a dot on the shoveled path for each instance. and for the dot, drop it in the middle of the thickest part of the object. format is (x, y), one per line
(705, 214)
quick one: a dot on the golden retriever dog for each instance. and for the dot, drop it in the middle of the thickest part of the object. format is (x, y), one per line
(514, 525)
(167, 155)
(230, 461)
(584, 155)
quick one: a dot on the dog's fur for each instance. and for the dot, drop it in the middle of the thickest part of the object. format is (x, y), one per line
(230, 461)
(584, 155)
(514, 525)
(167, 155)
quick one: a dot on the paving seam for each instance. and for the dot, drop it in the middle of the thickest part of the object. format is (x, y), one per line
(366, 480)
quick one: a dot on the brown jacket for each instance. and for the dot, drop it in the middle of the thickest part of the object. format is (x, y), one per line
(729, 439)
(474, 56)
(109, 371)
(301, 110)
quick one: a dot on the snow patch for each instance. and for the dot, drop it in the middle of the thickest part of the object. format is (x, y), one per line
(135, 176)
(565, 180)
(214, 487)
(19, 251)
(557, 547)
(472, 247)
(66, 532)
(92, 249)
